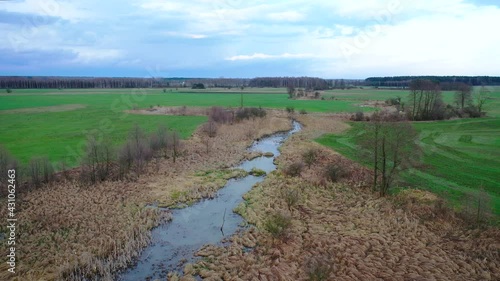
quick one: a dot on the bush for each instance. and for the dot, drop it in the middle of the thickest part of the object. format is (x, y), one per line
(8, 90)
(209, 129)
(291, 197)
(319, 269)
(294, 169)
(40, 171)
(198, 86)
(252, 112)
(97, 160)
(303, 111)
(334, 172)
(221, 115)
(358, 116)
(477, 210)
(309, 157)
(257, 172)
(277, 225)
(393, 101)
(290, 109)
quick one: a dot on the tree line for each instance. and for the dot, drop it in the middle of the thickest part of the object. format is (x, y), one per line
(426, 101)
(447, 82)
(309, 83)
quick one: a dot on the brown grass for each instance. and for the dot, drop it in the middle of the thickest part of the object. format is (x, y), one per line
(68, 231)
(172, 110)
(349, 233)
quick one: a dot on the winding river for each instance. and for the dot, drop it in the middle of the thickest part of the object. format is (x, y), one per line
(176, 242)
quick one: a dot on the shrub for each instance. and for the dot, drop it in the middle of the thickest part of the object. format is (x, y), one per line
(277, 225)
(7, 162)
(252, 112)
(309, 157)
(209, 129)
(358, 116)
(477, 210)
(393, 101)
(334, 172)
(290, 109)
(8, 90)
(40, 171)
(319, 269)
(294, 169)
(221, 115)
(291, 197)
(257, 172)
(303, 111)
(198, 86)
(97, 160)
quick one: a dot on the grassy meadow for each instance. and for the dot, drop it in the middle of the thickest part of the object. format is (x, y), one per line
(55, 123)
(460, 157)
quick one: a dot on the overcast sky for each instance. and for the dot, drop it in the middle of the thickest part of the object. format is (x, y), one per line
(237, 38)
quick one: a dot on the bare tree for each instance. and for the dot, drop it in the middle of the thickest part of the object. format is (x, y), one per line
(426, 102)
(392, 143)
(463, 95)
(175, 145)
(209, 131)
(480, 98)
(291, 91)
(97, 160)
(40, 171)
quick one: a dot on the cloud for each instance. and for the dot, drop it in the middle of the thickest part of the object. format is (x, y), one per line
(325, 38)
(266, 56)
(92, 55)
(185, 35)
(292, 16)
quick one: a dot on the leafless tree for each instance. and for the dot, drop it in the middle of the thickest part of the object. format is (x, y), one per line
(480, 98)
(175, 145)
(426, 102)
(463, 95)
(391, 141)
(291, 91)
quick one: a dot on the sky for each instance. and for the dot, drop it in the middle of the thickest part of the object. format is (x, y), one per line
(245, 39)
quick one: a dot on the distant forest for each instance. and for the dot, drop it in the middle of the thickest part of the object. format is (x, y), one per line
(444, 81)
(312, 83)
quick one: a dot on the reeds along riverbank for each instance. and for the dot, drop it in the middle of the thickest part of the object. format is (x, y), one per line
(73, 232)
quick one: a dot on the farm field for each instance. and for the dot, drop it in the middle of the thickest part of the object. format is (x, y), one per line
(54, 123)
(460, 157)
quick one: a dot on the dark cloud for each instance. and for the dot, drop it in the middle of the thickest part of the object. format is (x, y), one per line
(36, 58)
(26, 19)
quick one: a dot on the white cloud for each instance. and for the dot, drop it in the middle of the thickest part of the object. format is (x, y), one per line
(185, 35)
(92, 55)
(61, 9)
(291, 16)
(331, 38)
(267, 56)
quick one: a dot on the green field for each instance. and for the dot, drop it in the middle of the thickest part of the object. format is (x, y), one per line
(59, 133)
(460, 157)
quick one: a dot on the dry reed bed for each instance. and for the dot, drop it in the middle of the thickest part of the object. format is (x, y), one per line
(346, 232)
(70, 232)
(172, 110)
